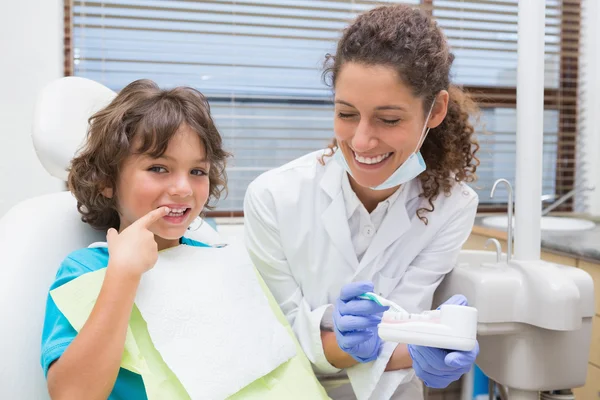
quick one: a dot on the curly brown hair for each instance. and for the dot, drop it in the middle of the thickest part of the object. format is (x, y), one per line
(152, 116)
(408, 40)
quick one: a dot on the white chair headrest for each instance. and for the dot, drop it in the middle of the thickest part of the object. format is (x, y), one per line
(60, 121)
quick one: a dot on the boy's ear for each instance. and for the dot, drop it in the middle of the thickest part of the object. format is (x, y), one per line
(107, 192)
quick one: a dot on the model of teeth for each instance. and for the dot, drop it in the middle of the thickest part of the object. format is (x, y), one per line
(371, 160)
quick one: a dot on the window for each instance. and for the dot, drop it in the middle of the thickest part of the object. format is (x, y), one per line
(259, 63)
(483, 35)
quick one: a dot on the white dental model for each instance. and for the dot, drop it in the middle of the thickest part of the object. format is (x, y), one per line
(452, 327)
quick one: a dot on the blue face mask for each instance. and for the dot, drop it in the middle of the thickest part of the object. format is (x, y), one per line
(410, 169)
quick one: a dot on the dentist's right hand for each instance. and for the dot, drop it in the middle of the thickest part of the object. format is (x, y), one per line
(355, 322)
(134, 250)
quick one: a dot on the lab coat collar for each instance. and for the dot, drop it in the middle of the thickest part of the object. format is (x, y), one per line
(335, 221)
(331, 182)
(396, 223)
(353, 202)
(393, 226)
(334, 217)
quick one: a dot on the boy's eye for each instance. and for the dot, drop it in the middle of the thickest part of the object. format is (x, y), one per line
(198, 172)
(157, 169)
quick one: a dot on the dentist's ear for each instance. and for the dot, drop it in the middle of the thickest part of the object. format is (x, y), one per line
(440, 109)
(107, 192)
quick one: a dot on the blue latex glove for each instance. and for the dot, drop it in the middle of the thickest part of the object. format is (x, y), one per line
(355, 322)
(438, 368)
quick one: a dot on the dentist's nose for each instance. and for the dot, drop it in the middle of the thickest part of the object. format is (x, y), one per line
(363, 139)
(180, 186)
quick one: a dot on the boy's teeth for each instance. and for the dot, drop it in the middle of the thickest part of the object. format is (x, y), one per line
(371, 160)
(177, 212)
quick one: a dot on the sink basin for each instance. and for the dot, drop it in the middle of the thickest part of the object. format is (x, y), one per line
(549, 224)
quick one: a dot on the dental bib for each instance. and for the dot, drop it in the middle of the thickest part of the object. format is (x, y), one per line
(208, 318)
(212, 331)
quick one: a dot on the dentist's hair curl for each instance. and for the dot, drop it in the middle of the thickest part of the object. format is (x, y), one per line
(409, 41)
(150, 115)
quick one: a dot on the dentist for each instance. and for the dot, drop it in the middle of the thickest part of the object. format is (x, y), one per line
(385, 208)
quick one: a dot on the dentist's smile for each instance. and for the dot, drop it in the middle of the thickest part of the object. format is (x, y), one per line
(371, 162)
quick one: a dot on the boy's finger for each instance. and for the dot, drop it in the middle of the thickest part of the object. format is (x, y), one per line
(152, 217)
(111, 234)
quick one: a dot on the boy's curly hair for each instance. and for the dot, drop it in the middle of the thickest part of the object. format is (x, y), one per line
(152, 116)
(410, 42)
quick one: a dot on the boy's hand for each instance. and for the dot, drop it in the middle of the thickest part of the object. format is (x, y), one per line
(134, 251)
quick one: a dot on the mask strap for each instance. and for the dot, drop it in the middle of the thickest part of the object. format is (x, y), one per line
(424, 132)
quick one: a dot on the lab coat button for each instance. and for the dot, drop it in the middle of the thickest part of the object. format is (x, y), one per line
(368, 230)
(466, 193)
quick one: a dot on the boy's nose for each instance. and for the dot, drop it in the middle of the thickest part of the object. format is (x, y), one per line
(180, 186)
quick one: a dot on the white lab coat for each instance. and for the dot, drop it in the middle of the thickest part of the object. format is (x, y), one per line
(298, 236)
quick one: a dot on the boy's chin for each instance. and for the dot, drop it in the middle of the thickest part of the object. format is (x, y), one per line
(170, 234)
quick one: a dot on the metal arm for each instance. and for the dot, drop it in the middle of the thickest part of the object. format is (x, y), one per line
(510, 214)
(498, 248)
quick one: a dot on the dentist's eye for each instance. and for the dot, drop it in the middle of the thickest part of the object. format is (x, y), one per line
(345, 115)
(157, 169)
(390, 121)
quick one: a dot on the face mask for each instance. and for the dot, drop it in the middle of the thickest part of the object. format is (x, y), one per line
(410, 169)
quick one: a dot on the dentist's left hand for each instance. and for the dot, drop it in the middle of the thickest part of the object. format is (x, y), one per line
(355, 322)
(438, 368)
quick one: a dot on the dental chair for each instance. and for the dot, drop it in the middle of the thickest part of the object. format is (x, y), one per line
(38, 233)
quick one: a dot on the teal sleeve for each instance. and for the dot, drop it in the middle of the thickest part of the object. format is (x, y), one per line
(57, 332)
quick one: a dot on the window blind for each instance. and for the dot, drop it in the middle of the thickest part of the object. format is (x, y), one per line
(259, 63)
(483, 35)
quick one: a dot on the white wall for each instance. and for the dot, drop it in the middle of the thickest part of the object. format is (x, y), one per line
(588, 149)
(31, 54)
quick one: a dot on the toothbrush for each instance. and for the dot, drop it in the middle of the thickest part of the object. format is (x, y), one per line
(382, 302)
